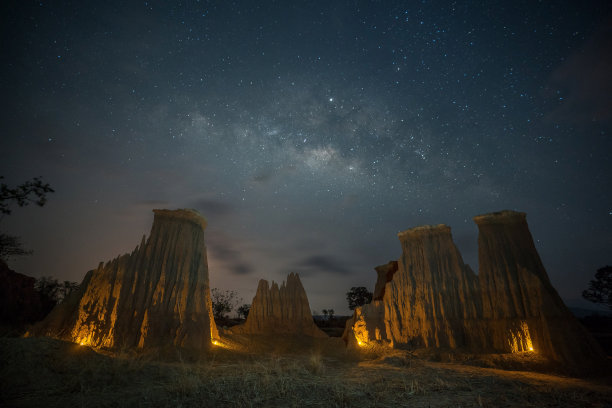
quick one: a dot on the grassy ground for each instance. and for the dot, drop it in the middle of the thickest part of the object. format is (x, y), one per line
(50, 373)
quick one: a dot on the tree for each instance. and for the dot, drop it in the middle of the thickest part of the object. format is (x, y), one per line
(54, 290)
(243, 311)
(358, 296)
(223, 302)
(32, 191)
(600, 288)
(328, 314)
(11, 246)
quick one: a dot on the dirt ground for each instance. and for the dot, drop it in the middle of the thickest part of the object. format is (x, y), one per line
(242, 372)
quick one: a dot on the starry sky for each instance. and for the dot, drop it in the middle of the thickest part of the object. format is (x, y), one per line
(308, 133)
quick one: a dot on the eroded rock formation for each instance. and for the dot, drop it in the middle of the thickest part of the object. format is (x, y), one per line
(280, 310)
(435, 300)
(522, 309)
(158, 295)
(385, 274)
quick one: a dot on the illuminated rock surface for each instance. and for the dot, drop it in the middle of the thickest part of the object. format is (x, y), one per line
(522, 308)
(156, 296)
(435, 300)
(281, 310)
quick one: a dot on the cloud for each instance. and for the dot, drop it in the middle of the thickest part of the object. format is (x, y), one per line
(225, 250)
(582, 84)
(321, 263)
(241, 269)
(212, 208)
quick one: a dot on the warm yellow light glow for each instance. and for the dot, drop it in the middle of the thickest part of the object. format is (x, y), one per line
(519, 339)
(221, 344)
(82, 343)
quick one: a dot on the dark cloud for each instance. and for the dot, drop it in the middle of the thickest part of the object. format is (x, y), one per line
(224, 249)
(212, 208)
(582, 85)
(154, 203)
(241, 269)
(322, 264)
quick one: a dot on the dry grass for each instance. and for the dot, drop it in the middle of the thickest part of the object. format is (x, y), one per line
(262, 373)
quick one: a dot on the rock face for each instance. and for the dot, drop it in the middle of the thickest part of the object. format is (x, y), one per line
(523, 310)
(20, 303)
(156, 296)
(280, 310)
(435, 300)
(385, 274)
(431, 300)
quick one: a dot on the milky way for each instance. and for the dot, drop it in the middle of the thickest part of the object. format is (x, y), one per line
(308, 134)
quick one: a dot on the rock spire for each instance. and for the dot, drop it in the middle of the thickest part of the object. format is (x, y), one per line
(280, 309)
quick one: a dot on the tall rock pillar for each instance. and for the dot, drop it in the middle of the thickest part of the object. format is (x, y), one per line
(156, 296)
(520, 306)
(431, 300)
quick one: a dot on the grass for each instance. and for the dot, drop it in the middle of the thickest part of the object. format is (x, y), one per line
(260, 372)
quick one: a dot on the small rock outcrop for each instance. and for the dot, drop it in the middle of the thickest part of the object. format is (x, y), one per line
(523, 310)
(156, 296)
(280, 310)
(385, 274)
(20, 303)
(435, 300)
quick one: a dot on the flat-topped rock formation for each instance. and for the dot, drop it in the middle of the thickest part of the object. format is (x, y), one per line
(523, 310)
(431, 300)
(435, 300)
(280, 310)
(156, 296)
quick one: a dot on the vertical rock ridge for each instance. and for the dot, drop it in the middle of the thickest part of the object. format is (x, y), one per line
(280, 310)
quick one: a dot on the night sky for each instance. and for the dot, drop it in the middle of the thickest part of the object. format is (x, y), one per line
(308, 133)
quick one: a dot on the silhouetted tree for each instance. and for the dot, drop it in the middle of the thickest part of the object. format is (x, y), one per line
(243, 311)
(11, 246)
(358, 296)
(32, 191)
(600, 288)
(53, 290)
(223, 302)
(328, 314)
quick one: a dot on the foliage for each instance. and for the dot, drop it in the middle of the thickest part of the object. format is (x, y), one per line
(243, 311)
(600, 288)
(358, 296)
(32, 191)
(54, 290)
(11, 246)
(328, 314)
(223, 302)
